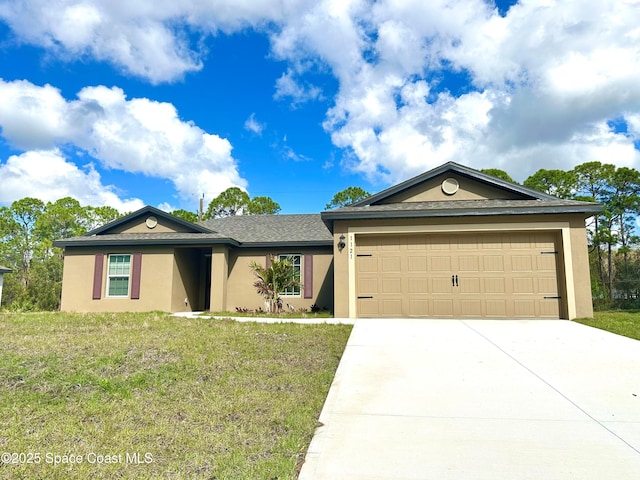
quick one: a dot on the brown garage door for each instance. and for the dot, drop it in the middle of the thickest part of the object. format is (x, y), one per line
(504, 275)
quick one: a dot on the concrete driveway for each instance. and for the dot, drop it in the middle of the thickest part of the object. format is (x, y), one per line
(480, 399)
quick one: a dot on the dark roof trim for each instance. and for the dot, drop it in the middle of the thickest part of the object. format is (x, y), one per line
(312, 243)
(459, 169)
(114, 242)
(148, 210)
(5, 269)
(586, 208)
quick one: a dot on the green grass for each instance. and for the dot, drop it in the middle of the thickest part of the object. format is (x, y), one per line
(201, 398)
(625, 323)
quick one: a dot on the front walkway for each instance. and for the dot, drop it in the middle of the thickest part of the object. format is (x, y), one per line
(480, 400)
(305, 320)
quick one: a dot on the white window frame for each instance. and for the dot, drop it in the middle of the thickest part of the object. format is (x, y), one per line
(298, 293)
(120, 275)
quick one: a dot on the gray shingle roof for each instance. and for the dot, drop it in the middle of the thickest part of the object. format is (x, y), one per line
(249, 230)
(481, 207)
(266, 229)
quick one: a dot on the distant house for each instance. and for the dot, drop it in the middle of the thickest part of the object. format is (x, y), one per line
(3, 270)
(450, 243)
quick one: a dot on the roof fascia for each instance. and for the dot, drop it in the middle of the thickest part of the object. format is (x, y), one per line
(310, 243)
(106, 241)
(331, 216)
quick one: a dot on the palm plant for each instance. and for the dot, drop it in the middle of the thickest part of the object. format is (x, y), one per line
(271, 281)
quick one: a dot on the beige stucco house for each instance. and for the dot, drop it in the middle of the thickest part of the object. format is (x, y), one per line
(450, 243)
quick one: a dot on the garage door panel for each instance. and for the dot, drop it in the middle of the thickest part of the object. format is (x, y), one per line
(550, 308)
(417, 242)
(368, 286)
(392, 285)
(392, 307)
(491, 241)
(523, 285)
(441, 285)
(391, 264)
(418, 285)
(521, 263)
(496, 308)
(502, 275)
(417, 264)
(442, 308)
(469, 263)
(494, 285)
(368, 307)
(470, 285)
(524, 308)
(367, 264)
(471, 308)
(493, 263)
(418, 308)
(441, 264)
(546, 263)
(548, 286)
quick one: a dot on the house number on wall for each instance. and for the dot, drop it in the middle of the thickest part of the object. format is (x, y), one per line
(351, 242)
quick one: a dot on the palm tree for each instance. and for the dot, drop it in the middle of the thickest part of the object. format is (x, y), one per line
(273, 280)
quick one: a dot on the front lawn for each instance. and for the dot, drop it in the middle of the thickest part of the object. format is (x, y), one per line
(625, 323)
(153, 396)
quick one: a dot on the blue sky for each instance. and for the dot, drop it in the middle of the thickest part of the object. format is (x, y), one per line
(158, 102)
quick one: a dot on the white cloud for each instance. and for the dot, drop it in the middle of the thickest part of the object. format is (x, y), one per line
(136, 136)
(252, 125)
(544, 79)
(45, 174)
(290, 86)
(548, 77)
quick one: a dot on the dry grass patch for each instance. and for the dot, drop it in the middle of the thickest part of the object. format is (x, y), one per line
(191, 398)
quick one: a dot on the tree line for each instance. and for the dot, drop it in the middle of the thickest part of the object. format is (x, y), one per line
(29, 226)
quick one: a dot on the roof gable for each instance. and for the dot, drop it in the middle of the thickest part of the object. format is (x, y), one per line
(452, 181)
(148, 220)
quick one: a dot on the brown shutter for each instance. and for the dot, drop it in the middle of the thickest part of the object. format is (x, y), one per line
(268, 261)
(135, 276)
(308, 276)
(98, 269)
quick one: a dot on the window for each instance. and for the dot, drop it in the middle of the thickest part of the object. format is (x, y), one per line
(118, 274)
(296, 261)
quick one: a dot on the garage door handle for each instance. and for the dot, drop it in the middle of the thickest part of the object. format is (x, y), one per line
(454, 280)
(552, 298)
(369, 296)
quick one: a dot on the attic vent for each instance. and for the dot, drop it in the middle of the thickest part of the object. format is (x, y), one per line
(151, 222)
(450, 186)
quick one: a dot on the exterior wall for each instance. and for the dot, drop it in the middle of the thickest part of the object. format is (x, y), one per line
(139, 226)
(431, 191)
(219, 275)
(581, 272)
(1, 280)
(574, 264)
(240, 291)
(171, 276)
(155, 281)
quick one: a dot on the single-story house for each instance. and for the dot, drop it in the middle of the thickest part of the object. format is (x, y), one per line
(450, 243)
(3, 270)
